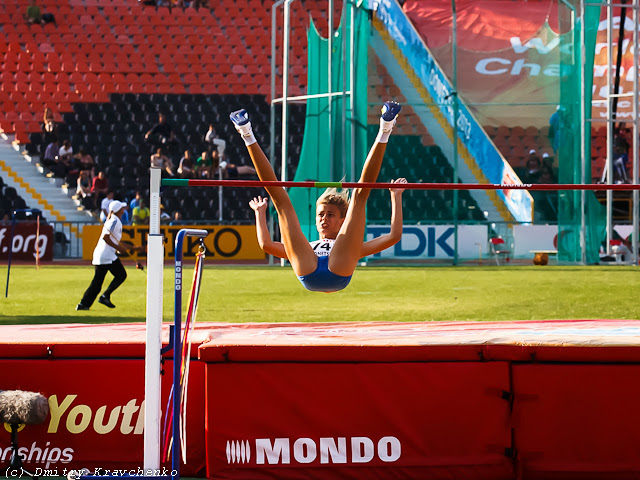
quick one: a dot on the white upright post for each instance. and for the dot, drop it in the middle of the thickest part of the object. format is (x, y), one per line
(155, 267)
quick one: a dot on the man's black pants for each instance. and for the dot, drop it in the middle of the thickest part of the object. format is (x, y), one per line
(119, 275)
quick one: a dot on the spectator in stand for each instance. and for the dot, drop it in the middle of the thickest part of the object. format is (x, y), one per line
(205, 165)
(164, 216)
(35, 15)
(86, 160)
(100, 185)
(66, 151)
(212, 139)
(83, 191)
(160, 158)
(558, 127)
(49, 127)
(177, 218)
(72, 165)
(620, 160)
(104, 206)
(47, 116)
(547, 163)
(126, 218)
(231, 170)
(186, 169)
(51, 153)
(141, 214)
(135, 202)
(51, 158)
(546, 175)
(533, 166)
(161, 133)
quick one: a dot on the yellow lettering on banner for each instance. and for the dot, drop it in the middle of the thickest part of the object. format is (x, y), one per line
(98, 424)
(82, 411)
(57, 410)
(127, 412)
(140, 423)
(238, 242)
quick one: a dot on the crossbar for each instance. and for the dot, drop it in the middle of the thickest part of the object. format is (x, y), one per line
(184, 182)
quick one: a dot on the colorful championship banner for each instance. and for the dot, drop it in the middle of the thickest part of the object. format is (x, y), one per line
(509, 56)
(222, 243)
(26, 241)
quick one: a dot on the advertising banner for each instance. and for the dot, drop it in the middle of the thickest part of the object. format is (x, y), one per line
(353, 421)
(434, 241)
(238, 242)
(527, 238)
(471, 134)
(509, 54)
(26, 240)
(96, 415)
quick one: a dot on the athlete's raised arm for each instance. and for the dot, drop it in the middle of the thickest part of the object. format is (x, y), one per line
(387, 240)
(259, 206)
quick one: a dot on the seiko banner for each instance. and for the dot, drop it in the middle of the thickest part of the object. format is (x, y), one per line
(27, 241)
(222, 243)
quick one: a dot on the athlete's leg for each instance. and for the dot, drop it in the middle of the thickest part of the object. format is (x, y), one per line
(300, 254)
(347, 249)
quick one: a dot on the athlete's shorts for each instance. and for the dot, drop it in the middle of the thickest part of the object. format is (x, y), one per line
(323, 280)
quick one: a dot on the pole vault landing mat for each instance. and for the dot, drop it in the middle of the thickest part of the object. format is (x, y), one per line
(454, 400)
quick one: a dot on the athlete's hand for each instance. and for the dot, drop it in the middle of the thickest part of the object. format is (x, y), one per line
(398, 191)
(259, 204)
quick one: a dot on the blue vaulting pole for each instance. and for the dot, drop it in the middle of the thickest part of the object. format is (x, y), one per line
(177, 346)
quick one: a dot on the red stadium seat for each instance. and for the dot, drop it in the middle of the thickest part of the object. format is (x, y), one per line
(174, 78)
(22, 137)
(83, 67)
(31, 97)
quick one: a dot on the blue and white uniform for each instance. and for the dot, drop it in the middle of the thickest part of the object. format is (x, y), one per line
(322, 279)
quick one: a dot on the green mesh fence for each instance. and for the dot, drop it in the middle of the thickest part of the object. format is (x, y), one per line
(565, 132)
(316, 148)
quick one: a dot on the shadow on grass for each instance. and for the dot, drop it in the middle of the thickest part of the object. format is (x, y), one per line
(56, 319)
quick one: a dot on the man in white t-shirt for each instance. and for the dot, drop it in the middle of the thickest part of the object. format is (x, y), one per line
(105, 259)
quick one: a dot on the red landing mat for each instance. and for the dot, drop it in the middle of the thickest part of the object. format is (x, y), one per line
(493, 400)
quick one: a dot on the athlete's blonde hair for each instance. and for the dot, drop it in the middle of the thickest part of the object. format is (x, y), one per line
(332, 196)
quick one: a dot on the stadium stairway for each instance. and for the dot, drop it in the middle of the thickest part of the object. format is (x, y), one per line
(46, 194)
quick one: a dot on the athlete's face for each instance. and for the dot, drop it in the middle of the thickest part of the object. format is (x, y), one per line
(328, 221)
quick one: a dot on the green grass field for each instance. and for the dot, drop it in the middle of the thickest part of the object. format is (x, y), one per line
(273, 294)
